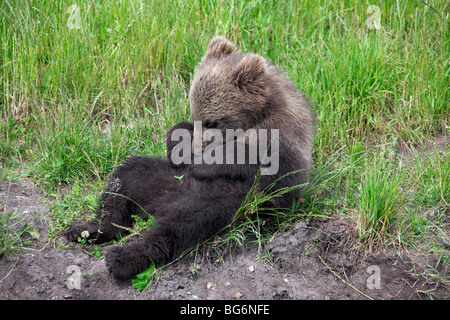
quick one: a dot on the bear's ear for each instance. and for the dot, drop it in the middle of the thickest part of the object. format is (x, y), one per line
(219, 46)
(250, 69)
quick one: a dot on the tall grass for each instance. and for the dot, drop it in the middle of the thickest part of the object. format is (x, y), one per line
(381, 200)
(75, 102)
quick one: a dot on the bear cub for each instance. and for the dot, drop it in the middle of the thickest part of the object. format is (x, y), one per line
(194, 199)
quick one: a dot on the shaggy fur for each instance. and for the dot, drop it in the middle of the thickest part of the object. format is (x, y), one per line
(230, 90)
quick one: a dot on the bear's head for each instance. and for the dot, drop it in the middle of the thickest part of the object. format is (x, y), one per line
(229, 89)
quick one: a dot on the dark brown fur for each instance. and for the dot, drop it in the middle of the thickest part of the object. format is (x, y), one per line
(230, 90)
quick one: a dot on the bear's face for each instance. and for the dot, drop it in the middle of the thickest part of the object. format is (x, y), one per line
(229, 90)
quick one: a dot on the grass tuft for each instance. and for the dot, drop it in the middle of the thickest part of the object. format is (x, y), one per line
(381, 200)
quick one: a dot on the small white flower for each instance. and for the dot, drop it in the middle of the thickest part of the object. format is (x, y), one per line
(109, 30)
(85, 234)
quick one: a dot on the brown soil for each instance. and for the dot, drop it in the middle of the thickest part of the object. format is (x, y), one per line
(314, 261)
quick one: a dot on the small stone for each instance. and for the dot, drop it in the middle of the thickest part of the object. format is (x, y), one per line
(211, 286)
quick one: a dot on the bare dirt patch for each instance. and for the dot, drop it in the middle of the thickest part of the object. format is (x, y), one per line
(314, 261)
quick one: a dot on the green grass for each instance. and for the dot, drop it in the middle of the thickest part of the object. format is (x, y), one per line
(128, 68)
(380, 200)
(433, 180)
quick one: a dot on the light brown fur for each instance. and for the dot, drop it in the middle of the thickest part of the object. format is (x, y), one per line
(240, 91)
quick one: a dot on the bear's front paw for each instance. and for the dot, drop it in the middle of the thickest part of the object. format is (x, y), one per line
(122, 263)
(87, 232)
(182, 125)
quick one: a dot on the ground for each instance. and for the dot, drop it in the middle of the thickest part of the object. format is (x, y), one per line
(312, 261)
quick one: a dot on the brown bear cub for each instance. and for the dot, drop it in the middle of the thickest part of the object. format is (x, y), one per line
(249, 121)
